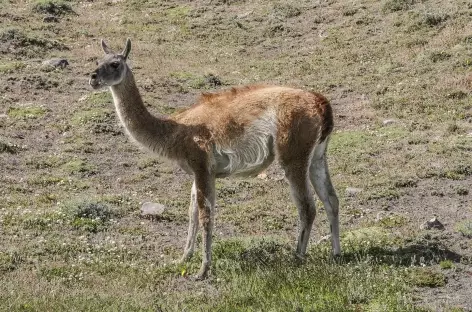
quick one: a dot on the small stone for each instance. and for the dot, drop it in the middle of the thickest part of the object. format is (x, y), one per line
(379, 216)
(387, 122)
(323, 239)
(83, 98)
(57, 62)
(3, 115)
(352, 191)
(262, 176)
(434, 223)
(152, 209)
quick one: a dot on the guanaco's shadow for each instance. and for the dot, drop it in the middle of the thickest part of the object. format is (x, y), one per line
(426, 252)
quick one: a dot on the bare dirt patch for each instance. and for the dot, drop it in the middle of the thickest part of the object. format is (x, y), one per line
(61, 144)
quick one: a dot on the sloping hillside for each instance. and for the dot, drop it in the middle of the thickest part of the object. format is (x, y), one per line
(399, 76)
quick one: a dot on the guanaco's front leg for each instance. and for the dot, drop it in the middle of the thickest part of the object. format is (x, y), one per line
(205, 198)
(192, 225)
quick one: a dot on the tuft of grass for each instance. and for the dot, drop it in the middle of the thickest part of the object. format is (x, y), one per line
(27, 44)
(191, 81)
(8, 148)
(147, 162)
(398, 5)
(78, 166)
(393, 221)
(99, 99)
(46, 180)
(51, 161)
(89, 216)
(431, 19)
(465, 228)
(446, 264)
(32, 112)
(11, 67)
(406, 182)
(286, 10)
(385, 193)
(93, 115)
(54, 7)
(426, 277)
(461, 190)
(439, 56)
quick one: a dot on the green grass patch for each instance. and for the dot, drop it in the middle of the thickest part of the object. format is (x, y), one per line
(263, 275)
(28, 44)
(99, 99)
(465, 228)
(78, 166)
(446, 264)
(11, 67)
(32, 112)
(89, 216)
(384, 193)
(285, 10)
(393, 221)
(46, 180)
(9, 261)
(426, 277)
(93, 115)
(147, 162)
(54, 7)
(51, 161)
(398, 5)
(189, 80)
(178, 14)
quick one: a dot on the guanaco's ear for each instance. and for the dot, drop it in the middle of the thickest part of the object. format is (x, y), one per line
(105, 48)
(127, 49)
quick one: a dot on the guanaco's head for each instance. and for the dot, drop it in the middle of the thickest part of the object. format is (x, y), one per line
(112, 68)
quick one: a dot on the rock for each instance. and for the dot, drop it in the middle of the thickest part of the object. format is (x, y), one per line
(83, 98)
(3, 115)
(387, 122)
(57, 62)
(380, 216)
(323, 239)
(152, 209)
(50, 19)
(352, 191)
(262, 175)
(432, 224)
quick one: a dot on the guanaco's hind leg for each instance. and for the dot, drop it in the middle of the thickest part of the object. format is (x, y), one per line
(319, 176)
(302, 196)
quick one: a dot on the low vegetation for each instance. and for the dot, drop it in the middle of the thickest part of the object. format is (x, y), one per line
(398, 74)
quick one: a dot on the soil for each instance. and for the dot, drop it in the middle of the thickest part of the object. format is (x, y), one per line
(34, 140)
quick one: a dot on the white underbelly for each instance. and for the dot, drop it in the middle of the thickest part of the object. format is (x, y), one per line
(251, 153)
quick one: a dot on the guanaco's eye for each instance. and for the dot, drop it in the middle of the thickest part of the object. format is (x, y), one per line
(115, 64)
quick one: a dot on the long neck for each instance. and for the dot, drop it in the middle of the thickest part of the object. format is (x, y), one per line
(149, 131)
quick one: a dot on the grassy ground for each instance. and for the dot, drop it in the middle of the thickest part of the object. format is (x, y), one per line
(398, 73)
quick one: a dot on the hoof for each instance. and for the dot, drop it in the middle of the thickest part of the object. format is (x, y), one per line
(300, 259)
(337, 258)
(201, 275)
